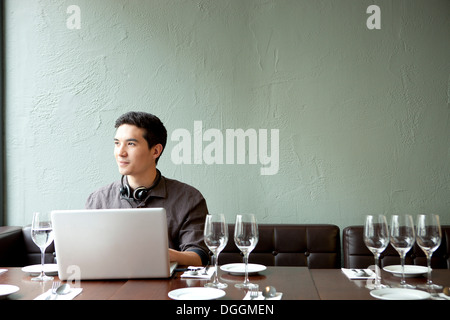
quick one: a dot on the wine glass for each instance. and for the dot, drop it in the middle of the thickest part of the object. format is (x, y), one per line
(42, 235)
(402, 237)
(216, 238)
(376, 238)
(246, 238)
(429, 239)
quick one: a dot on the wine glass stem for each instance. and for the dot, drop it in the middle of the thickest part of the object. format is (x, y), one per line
(246, 269)
(402, 259)
(377, 270)
(429, 281)
(216, 278)
(42, 261)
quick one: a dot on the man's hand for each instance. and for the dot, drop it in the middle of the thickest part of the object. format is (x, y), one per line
(185, 258)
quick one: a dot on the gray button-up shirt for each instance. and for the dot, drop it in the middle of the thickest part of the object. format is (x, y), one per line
(185, 207)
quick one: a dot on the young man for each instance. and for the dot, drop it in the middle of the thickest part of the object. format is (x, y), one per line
(139, 142)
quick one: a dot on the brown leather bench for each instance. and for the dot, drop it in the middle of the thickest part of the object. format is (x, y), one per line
(316, 246)
(356, 254)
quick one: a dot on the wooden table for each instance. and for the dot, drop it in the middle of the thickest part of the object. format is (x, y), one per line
(332, 284)
(296, 283)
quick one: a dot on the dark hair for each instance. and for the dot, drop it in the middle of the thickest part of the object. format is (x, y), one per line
(155, 132)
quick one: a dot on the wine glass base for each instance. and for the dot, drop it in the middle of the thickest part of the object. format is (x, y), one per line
(246, 285)
(404, 286)
(373, 286)
(42, 278)
(218, 285)
(430, 287)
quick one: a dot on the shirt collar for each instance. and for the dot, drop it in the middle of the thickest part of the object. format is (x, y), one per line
(159, 190)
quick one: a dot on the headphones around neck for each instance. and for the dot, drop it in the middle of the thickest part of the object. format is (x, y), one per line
(141, 192)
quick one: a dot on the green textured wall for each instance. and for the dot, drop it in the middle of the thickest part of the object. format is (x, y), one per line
(362, 115)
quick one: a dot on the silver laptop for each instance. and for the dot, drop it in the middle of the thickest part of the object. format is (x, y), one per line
(111, 244)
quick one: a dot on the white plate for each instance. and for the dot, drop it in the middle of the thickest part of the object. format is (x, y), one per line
(196, 293)
(399, 294)
(6, 289)
(50, 269)
(239, 268)
(410, 270)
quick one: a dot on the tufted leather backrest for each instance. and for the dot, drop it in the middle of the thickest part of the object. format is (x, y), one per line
(12, 247)
(356, 254)
(17, 249)
(315, 246)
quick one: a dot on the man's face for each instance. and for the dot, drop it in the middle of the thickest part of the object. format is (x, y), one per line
(131, 151)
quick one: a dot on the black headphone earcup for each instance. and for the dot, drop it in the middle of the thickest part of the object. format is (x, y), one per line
(140, 193)
(125, 191)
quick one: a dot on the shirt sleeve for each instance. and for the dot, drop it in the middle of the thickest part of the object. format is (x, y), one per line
(191, 232)
(90, 202)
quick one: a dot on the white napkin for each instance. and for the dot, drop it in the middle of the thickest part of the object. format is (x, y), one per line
(3, 270)
(278, 296)
(47, 295)
(352, 275)
(442, 295)
(199, 275)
